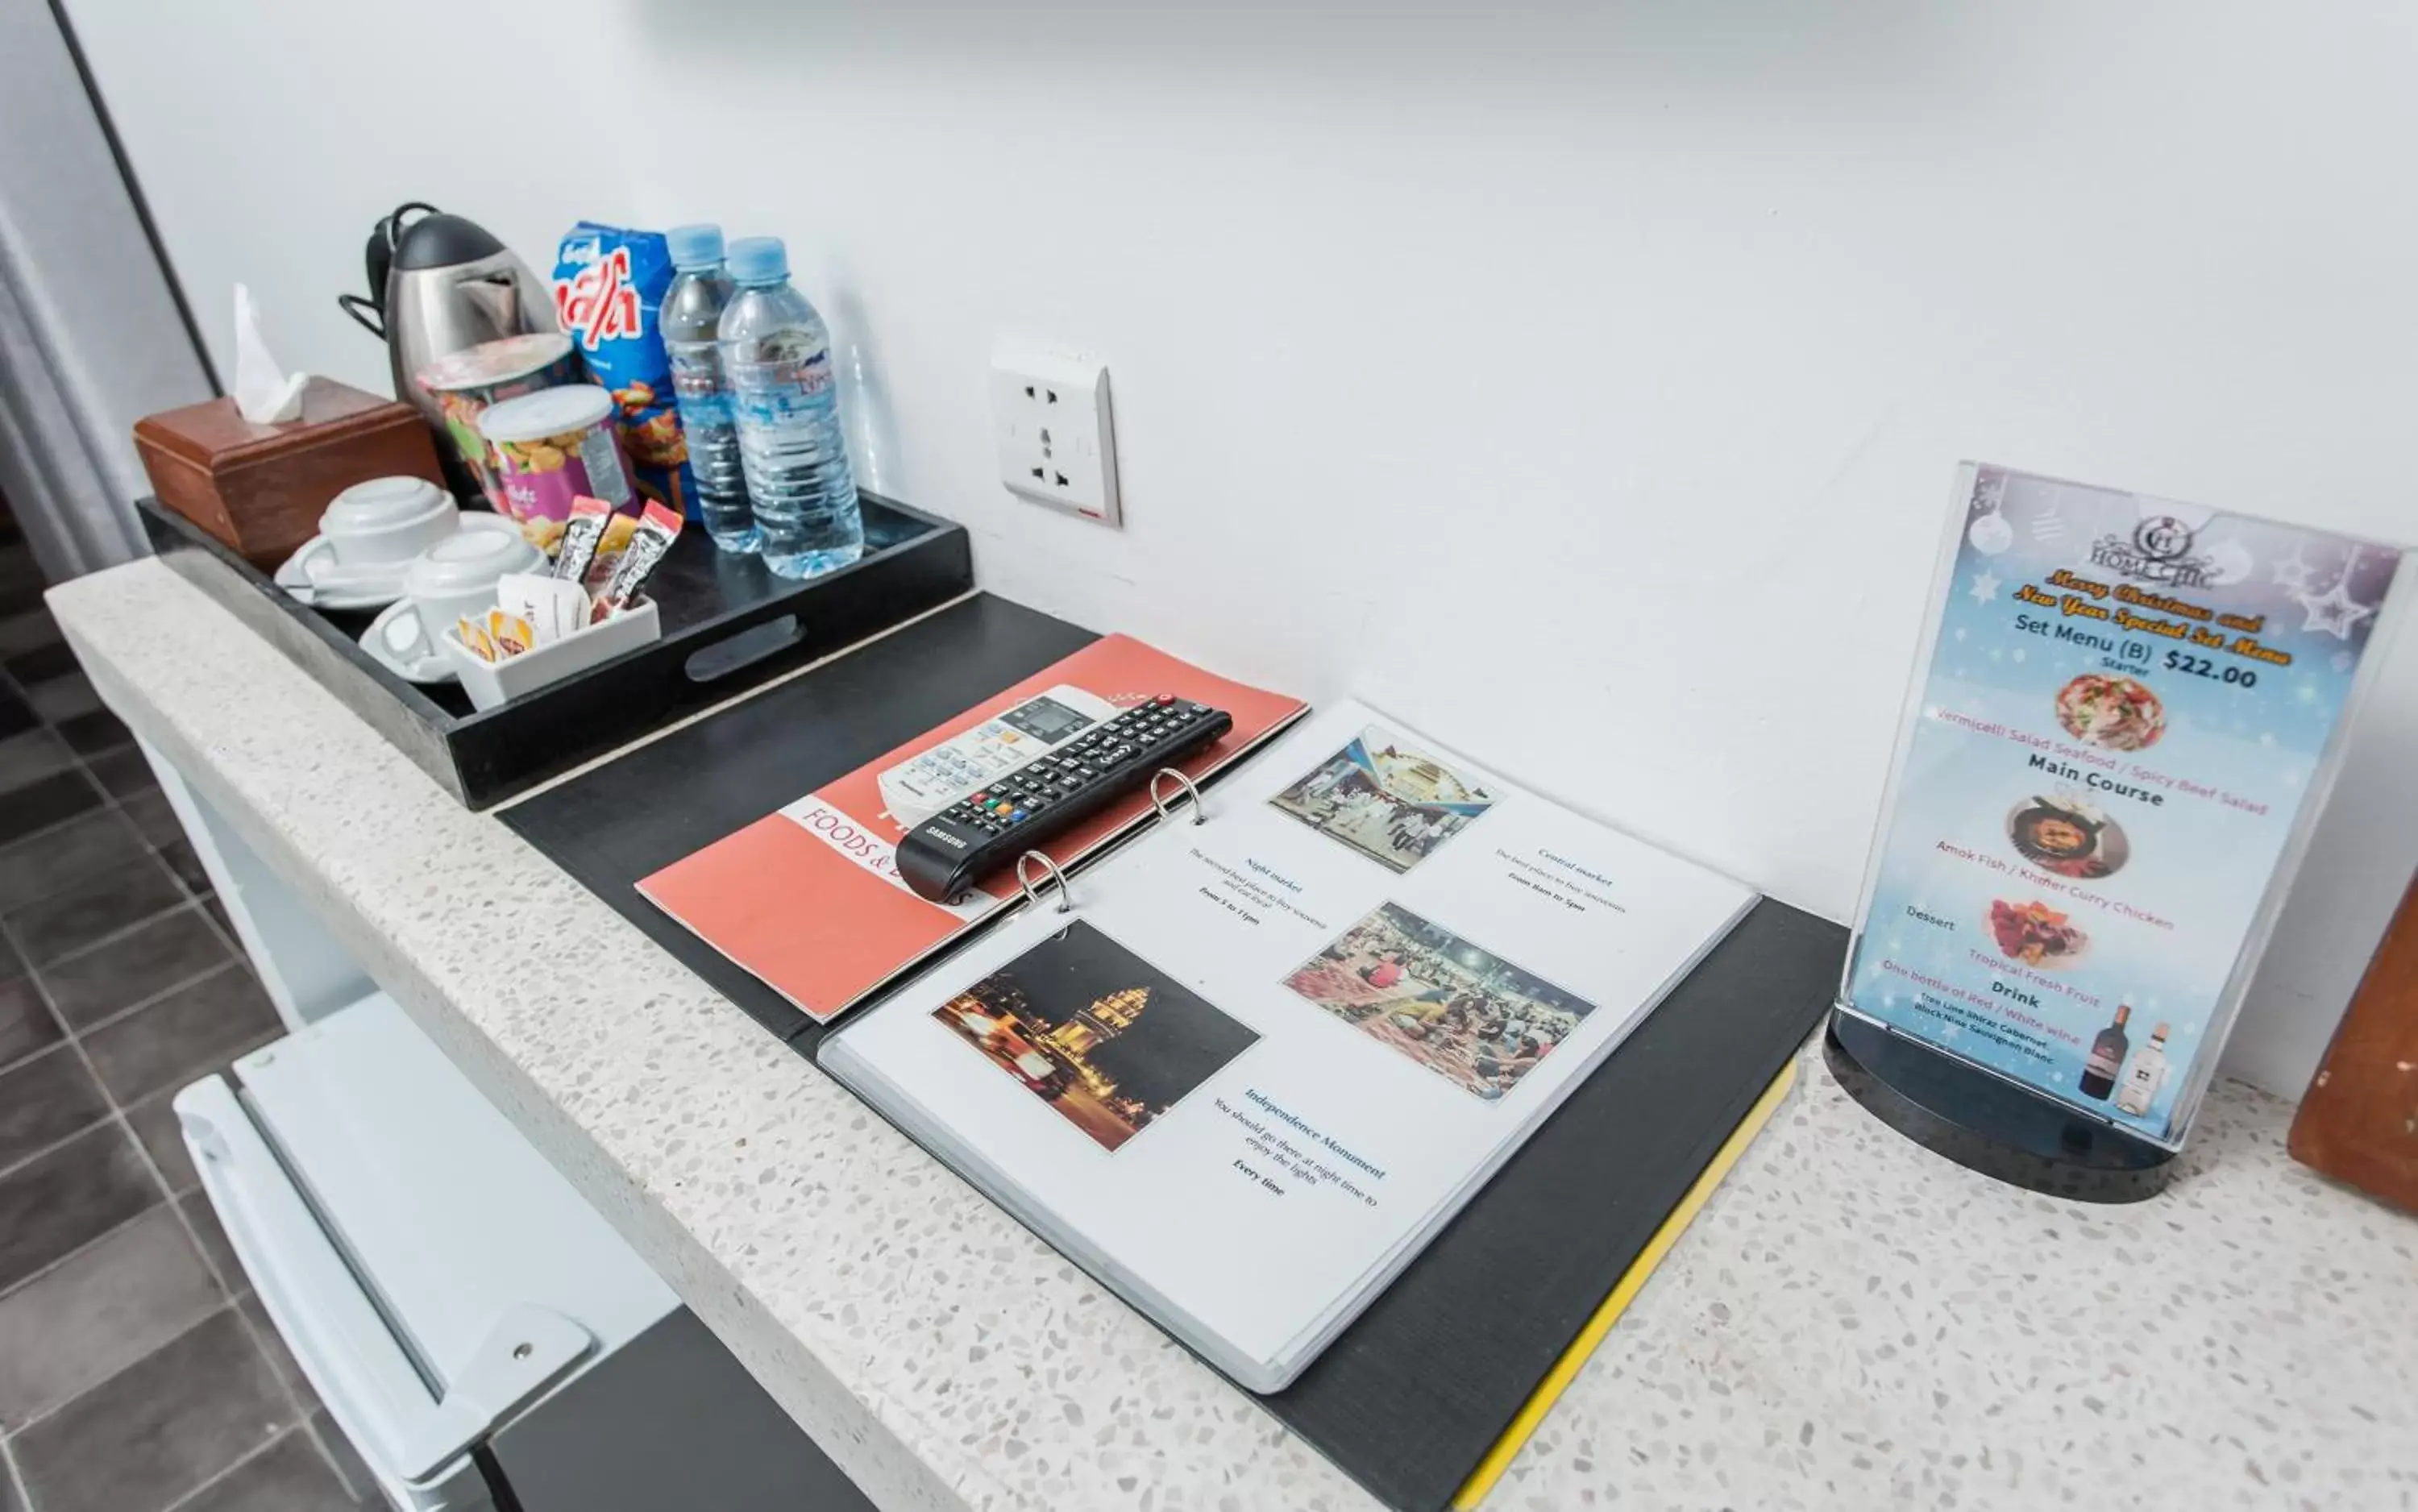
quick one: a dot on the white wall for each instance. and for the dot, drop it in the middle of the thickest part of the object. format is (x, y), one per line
(1582, 383)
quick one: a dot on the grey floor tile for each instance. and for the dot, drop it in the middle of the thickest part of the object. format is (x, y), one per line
(44, 1100)
(59, 1203)
(272, 1348)
(56, 859)
(183, 1036)
(287, 1477)
(77, 1325)
(157, 1429)
(217, 910)
(16, 715)
(45, 801)
(94, 909)
(41, 664)
(123, 772)
(9, 1502)
(96, 731)
(350, 1467)
(210, 1235)
(191, 1032)
(63, 698)
(33, 754)
(25, 1022)
(182, 859)
(26, 631)
(171, 949)
(151, 815)
(154, 1122)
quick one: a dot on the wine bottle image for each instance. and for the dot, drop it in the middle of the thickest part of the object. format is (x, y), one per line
(2106, 1055)
(2145, 1075)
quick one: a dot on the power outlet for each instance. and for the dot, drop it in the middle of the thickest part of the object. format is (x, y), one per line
(1057, 444)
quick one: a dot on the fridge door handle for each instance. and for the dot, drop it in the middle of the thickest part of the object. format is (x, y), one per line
(345, 1347)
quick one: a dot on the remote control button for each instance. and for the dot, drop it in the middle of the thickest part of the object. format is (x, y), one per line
(979, 798)
(1015, 818)
(1164, 699)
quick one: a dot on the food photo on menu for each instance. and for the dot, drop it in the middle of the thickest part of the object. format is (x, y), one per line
(2119, 719)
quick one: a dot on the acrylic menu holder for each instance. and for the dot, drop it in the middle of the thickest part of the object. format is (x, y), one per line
(2116, 743)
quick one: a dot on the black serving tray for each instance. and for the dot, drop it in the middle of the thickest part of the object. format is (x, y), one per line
(728, 625)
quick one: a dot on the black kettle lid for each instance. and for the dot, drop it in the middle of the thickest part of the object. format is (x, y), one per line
(442, 240)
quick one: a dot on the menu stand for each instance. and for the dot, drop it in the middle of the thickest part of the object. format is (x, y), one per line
(2125, 718)
(1988, 1123)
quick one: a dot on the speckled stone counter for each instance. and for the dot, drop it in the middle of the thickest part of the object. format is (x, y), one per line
(1851, 1321)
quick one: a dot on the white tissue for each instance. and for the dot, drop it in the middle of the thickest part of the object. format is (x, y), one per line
(263, 392)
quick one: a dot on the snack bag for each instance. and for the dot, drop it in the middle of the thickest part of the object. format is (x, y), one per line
(608, 286)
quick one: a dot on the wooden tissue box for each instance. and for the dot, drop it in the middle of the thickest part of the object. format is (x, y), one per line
(262, 488)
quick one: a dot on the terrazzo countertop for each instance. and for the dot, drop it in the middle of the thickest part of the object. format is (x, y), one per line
(1851, 1320)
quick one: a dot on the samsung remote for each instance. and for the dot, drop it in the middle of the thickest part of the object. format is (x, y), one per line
(988, 830)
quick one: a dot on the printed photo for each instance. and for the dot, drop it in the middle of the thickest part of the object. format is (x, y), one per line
(1386, 801)
(1472, 1017)
(2069, 837)
(2035, 934)
(1099, 1034)
(2119, 713)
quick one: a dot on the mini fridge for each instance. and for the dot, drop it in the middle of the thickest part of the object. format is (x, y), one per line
(476, 1329)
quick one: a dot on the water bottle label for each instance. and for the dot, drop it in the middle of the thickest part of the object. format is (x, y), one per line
(787, 388)
(696, 381)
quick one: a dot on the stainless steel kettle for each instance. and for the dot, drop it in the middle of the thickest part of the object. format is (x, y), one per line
(437, 285)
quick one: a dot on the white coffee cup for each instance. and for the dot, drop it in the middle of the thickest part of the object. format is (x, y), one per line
(382, 522)
(452, 578)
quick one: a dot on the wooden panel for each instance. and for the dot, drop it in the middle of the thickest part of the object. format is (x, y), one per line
(2359, 1120)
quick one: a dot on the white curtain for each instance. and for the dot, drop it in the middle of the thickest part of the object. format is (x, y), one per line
(91, 339)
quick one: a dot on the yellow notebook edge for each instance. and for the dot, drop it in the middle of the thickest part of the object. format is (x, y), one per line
(1566, 1369)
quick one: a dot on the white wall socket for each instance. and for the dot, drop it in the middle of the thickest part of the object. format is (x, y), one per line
(1057, 444)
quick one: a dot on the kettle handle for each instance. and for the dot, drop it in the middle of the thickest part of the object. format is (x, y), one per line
(393, 224)
(373, 321)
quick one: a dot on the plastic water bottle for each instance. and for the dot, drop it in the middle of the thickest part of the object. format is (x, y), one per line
(691, 322)
(777, 357)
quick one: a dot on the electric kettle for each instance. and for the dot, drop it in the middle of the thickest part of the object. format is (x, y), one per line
(440, 284)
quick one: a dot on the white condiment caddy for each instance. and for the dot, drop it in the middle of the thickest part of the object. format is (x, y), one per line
(491, 683)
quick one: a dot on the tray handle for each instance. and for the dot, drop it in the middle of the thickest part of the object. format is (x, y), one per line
(709, 664)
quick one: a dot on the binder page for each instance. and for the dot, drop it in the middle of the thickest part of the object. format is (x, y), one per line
(1262, 1051)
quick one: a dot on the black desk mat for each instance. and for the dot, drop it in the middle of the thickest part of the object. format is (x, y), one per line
(1415, 1393)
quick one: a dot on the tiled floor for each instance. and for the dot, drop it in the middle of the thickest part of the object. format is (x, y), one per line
(137, 1372)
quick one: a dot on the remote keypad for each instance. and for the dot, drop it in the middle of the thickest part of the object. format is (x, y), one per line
(1017, 811)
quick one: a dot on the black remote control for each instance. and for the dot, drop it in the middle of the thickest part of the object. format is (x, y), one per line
(976, 835)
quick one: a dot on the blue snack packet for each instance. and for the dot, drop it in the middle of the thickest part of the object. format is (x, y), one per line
(608, 286)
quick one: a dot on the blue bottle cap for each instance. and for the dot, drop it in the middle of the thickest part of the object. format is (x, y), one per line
(759, 260)
(695, 246)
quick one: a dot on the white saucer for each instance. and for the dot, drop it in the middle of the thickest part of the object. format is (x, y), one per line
(373, 586)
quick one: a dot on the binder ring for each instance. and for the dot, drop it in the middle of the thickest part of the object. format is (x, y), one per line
(1199, 815)
(1033, 893)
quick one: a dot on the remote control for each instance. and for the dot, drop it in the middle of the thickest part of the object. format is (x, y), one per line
(988, 830)
(931, 780)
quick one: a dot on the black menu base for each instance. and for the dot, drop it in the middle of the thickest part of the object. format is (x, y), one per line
(1989, 1124)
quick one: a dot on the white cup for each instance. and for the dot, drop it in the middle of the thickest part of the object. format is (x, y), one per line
(382, 522)
(452, 578)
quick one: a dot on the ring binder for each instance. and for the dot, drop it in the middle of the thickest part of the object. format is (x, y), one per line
(1033, 894)
(1199, 815)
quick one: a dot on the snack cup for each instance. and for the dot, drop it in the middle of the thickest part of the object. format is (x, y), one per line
(467, 383)
(551, 446)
